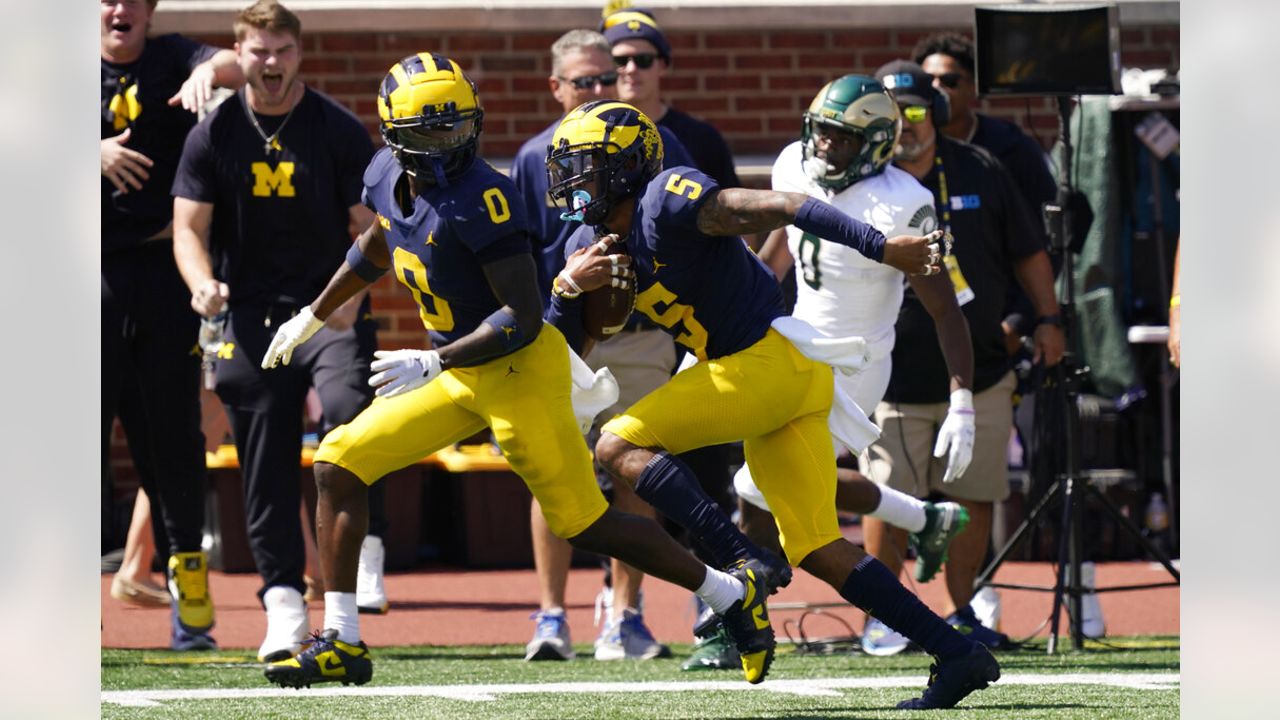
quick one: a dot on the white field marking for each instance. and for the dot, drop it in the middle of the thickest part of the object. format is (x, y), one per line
(813, 688)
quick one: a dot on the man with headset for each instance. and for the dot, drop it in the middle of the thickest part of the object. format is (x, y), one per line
(994, 239)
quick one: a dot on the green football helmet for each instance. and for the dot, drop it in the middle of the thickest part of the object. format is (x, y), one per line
(859, 106)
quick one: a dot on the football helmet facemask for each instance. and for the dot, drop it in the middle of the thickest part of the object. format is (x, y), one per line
(859, 106)
(430, 117)
(603, 152)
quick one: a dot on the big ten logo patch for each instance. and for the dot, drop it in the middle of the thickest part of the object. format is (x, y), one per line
(277, 181)
(966, 202)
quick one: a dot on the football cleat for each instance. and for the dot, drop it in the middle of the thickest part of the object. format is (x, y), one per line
(951, 680)
(189, 586)
(323, 659)
(550, 638)
(714, 652)
(748, 621)
(777, 571)
(943, 521)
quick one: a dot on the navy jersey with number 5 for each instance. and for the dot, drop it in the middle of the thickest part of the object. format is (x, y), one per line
(438, 250)
(709, 292)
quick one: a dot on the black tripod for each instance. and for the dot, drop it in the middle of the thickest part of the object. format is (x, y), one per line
(1070, 487)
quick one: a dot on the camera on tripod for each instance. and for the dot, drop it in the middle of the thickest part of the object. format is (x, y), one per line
(1057, 51)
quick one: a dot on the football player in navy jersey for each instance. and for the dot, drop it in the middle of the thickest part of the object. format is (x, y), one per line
(449, 228)
(696, 278)
(151, 89)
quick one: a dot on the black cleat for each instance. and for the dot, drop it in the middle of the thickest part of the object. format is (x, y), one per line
(323, 659)
(748, 622)
(951, 680)
(777, 571)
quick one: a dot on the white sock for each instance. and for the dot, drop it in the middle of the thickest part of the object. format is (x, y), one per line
(719, 590)
(900, 509)
(341, 614)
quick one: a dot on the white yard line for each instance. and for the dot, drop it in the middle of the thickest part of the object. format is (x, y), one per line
(813, 687)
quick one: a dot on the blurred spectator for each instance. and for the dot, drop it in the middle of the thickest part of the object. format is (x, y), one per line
(266, 200)
(1175, 310)
(151, 88)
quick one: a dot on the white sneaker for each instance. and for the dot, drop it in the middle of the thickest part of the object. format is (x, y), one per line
(371, 596)
(986, 607)
(881, 640)
(627, 638)
(286, 624)
(550, 637)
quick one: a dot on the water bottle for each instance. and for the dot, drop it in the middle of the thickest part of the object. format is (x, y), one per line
(1157, 520)
(210, 340)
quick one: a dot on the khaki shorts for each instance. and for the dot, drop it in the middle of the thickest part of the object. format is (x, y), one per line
(903, 456)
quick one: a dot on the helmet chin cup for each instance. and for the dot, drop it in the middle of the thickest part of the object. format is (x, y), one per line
(816, 168)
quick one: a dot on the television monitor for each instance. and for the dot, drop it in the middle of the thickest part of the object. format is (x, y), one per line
(1055, 49)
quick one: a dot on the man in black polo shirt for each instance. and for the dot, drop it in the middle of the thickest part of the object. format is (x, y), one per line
(995, 243)
(266, 200)
(151, 88)
(948, 57)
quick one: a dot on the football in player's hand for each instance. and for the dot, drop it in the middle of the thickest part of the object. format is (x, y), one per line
(605, 310)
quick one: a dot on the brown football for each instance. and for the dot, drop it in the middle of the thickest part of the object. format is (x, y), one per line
(605, 310)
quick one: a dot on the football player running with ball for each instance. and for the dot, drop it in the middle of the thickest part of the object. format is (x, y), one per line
(448, 227)
(697, 278)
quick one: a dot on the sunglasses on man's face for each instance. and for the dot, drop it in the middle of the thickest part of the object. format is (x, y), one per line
(951, 81)
(587, 82)
(915, 113)
(644, 61)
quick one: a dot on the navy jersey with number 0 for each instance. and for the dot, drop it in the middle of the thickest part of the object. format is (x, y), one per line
(709, 292)
(439, 250)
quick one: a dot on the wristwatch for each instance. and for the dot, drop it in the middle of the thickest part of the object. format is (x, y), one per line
(1054, 320)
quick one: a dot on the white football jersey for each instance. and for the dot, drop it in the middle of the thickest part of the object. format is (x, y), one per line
(840, 291)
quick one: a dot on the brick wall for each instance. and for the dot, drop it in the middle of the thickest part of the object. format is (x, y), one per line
(752, 86)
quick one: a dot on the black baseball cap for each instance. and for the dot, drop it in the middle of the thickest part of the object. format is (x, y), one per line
(907, 82)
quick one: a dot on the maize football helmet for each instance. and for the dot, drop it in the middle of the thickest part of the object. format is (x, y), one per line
(603, 152)
(860, 106)
(430, 116)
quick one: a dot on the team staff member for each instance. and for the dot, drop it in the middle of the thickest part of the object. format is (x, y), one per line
(641, 357)
(696, 278)
(266, 197)
(994, 241)
(151, 88)
(948, 57)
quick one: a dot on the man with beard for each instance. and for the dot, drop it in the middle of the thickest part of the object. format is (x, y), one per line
(266, 201)
(151, 89)
(994, 240)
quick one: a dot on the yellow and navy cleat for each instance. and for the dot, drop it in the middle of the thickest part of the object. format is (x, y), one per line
(323, 659)
(748, 621)
(192, 605)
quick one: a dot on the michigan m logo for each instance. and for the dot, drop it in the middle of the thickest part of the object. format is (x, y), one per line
(267, 182)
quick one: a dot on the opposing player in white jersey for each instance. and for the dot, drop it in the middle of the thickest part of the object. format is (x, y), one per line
(843, 157)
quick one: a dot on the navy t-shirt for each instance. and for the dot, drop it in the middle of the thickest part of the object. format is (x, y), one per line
(710, 152)
(711, 293)
(440, 246)
(136, 95)
(280, 218)
(992, 229)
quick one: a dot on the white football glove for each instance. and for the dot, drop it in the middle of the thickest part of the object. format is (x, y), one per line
(955, 437)
(293, 333)
(399, 371)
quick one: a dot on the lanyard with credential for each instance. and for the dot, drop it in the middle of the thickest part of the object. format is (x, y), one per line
(964, 293)
(942, 191)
